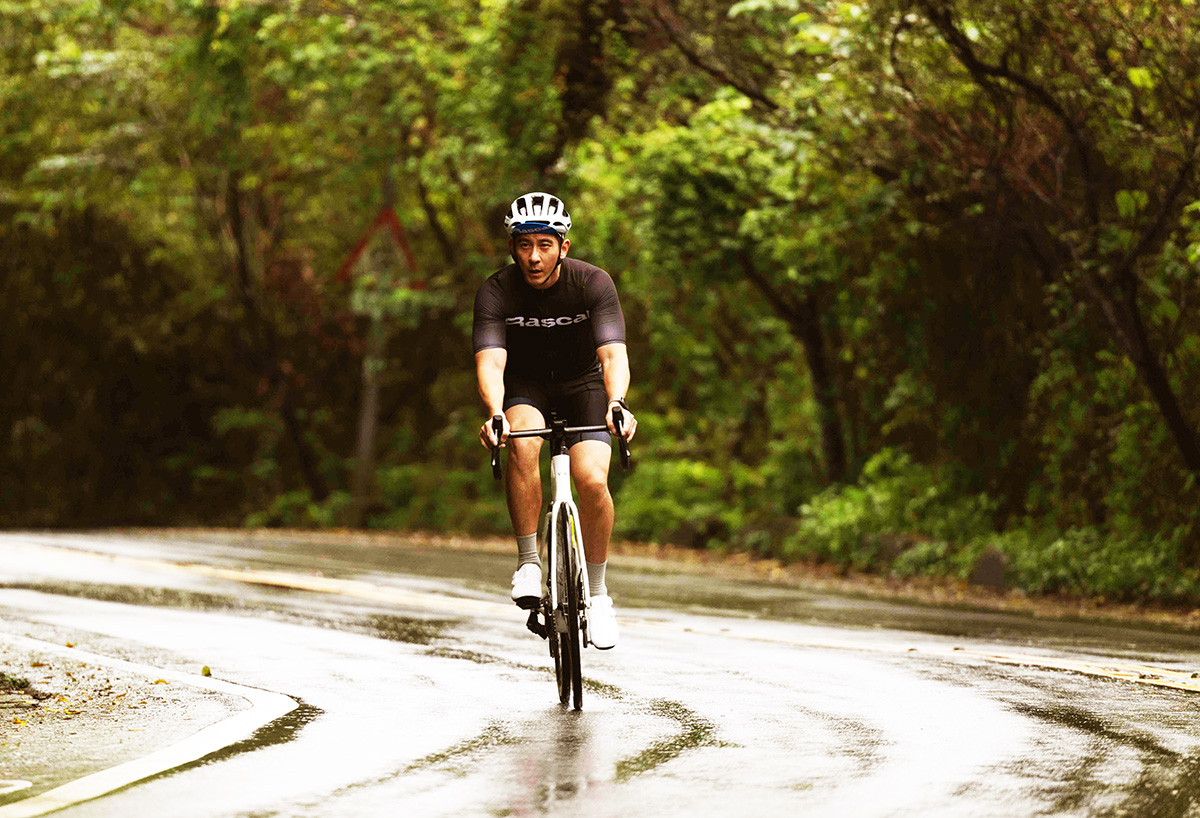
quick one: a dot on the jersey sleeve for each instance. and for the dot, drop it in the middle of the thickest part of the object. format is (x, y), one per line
(488, 329)
(608, 322)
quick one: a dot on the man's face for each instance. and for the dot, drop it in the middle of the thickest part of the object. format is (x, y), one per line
(537, 255)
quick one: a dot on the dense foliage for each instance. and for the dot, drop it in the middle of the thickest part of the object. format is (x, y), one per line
(907, 281)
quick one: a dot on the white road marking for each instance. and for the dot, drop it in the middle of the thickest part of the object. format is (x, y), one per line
(265, 707)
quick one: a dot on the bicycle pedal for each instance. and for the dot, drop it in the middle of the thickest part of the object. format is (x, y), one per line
(535, 625)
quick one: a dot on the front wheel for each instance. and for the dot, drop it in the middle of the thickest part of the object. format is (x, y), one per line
(572, 590)
(556, 610)
(557, 647)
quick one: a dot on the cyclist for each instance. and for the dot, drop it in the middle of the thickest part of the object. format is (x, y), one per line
(549, 334)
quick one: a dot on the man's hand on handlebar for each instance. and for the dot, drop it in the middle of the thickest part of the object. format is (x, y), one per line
(628, 422)
(487, 434)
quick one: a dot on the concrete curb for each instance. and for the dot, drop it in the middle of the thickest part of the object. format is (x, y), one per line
(265, 707)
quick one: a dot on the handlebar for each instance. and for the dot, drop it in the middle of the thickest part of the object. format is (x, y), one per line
(618, 422)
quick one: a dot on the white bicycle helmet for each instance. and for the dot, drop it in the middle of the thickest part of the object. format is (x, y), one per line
(537, 213)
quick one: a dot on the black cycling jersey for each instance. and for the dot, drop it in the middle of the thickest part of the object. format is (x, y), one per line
(550, 334)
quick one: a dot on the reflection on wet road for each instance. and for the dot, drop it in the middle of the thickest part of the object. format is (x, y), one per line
(423, 694)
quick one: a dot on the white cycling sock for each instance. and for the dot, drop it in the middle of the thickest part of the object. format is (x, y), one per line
(596, 586)
(527, 550)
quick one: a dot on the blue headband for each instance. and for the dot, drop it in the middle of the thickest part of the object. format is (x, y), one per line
(529, 228)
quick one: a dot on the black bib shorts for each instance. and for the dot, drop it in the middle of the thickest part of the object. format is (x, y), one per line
(579, 401)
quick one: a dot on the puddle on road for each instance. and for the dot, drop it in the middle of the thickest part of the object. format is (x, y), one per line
(1168, 787)
(1162, 792)
(604, 689)
(695, 732)
(408, 629)
(284, 729)
(1090, 723)
(494, 735)
(477, 658)
(411, 630)
(137, 595)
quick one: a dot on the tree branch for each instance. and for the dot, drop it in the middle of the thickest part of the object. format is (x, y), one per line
(1152, 233)
(984, 73)
(449, 248)
(675, 34)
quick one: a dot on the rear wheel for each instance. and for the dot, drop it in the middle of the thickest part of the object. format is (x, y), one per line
(574, 595)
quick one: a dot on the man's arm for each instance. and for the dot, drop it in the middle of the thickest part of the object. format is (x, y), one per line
(489, 370)
(614, 358)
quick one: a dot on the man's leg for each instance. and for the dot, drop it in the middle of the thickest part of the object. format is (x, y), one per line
(589, 472)
(523, 489)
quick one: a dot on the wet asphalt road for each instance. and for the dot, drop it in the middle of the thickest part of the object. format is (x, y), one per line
(420, 693)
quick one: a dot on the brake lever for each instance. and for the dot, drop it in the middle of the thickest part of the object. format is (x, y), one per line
(498, 428)
(618, 421)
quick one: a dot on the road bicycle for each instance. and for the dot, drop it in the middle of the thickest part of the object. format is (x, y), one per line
(561, 615)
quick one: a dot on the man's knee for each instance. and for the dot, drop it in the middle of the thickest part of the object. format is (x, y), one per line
(592, 485)
(523, 455)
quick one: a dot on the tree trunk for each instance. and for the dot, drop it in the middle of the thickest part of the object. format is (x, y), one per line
(362, 482)
(803, 317)
(833, 440)
(1125, 321)
(263, 346)
(317, 486)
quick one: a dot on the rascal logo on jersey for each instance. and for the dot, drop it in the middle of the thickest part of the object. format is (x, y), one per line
(563, 321)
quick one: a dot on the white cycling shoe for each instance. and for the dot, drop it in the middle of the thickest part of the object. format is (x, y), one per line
(527, 586)
(602, 623)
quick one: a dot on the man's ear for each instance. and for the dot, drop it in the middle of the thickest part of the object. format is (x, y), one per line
(562, 250)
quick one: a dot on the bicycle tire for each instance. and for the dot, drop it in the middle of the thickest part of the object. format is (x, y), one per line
(574, 595)
(560, 649)
(561, 680)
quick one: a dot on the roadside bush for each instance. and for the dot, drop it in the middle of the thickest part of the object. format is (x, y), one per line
(688, 502)
(297, 509)
(431, 497)
(939, 558)
(1087, 562)
(897, 505)
(898, 519)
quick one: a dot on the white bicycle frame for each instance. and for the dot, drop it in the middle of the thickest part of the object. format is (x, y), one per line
(562, 502)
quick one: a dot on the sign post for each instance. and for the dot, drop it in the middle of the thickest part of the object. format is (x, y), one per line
(372, 266)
